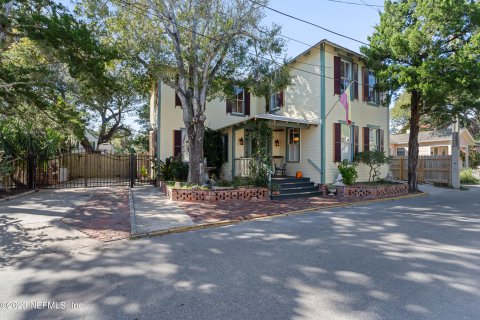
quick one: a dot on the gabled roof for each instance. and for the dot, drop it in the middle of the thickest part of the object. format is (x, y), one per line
(276, 118)
(325, 41)
(426, 136)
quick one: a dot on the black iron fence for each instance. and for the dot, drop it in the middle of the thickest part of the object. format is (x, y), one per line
(78, 170)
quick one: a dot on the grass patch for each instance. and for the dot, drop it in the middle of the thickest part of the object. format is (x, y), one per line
(467, 177)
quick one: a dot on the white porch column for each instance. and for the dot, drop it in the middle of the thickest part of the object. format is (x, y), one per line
(467, 153)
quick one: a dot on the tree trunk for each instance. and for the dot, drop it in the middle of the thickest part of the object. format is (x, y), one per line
(196, 171)
(413, 141)
(86, 145)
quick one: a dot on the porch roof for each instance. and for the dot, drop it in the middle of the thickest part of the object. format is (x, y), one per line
(277, 118)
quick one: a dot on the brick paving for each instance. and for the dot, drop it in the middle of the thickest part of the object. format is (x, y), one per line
(244, 210)
(105, 216)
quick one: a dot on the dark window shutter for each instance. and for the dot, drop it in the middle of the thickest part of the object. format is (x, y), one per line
(229, 105)
(225, 148)
(336, 74)
(366, 139)
(355, 140)
(280, 98)
(247, 103)
(178, 103)
(177, 142)
(337, 142)
(355, 80)
(365, 83)
(382, 134)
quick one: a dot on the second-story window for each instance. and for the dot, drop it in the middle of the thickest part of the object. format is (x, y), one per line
(239, 101)
(276, 100)
(373, 95)
(345, 75)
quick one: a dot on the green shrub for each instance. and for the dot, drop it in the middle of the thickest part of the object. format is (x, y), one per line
(348, 171)
(375, 160)
(172, 169)
(261, 164)
(467, 177)
(213, 149)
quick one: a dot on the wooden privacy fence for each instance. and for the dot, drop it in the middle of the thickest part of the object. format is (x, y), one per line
(435, 169)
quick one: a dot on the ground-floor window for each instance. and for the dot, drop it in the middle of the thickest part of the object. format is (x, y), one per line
(374, 139)
(346, 142)
(185, 146)
(293, 144)
(439, 151)
(401, 152)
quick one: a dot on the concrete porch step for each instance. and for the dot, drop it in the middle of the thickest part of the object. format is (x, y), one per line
(298, 189)
(294, 185)
(296, 195)
(282, 180)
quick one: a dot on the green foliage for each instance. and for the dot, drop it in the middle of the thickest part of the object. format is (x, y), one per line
(213, 149)
(431, 50)
(467, 177)
(473, 158)
(172, 169)
(261, 164)
(6, 167)
(19, 139)
(143, 172)
(348, 171)
(375, 160)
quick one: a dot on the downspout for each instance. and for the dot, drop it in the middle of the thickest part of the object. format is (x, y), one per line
(159, 109)
(322, 113)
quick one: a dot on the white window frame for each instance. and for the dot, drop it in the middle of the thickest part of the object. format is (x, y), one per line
(346, 145)
(294, 146)
(374, 136)
(373, 96)
(404, 152)
(238, 103)
(274, 105)
(185, 143)
(346, 73)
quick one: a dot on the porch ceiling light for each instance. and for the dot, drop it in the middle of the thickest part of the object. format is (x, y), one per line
(241, 141)
(277, 143)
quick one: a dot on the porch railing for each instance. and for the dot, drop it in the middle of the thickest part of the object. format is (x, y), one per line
(242, 167)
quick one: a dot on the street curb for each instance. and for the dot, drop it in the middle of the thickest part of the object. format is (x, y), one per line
(275, 215)
(17, 196)
(131, 207)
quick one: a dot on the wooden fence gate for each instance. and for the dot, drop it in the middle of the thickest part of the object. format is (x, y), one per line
(80, 170)
(435, 169)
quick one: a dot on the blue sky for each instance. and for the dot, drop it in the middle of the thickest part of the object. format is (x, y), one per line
(355, 21)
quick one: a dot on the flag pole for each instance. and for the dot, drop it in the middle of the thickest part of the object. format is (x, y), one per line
(337, 101)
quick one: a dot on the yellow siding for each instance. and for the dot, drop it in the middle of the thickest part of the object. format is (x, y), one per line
(363, 115)
(302, 100)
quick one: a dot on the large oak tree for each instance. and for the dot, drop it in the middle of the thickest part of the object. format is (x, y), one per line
(200, 48)
(430, 49)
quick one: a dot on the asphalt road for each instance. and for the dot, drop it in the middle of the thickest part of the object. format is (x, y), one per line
(410, 259)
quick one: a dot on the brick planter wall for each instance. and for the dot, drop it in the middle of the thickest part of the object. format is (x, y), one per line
(376, 191)
(213, 195)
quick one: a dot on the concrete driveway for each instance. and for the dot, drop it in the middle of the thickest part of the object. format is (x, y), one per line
(416, 258)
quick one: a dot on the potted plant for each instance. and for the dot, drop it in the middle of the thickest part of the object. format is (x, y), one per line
(275, 189)
(331, 189)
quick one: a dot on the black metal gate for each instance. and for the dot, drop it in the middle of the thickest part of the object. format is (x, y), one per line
(80, 170)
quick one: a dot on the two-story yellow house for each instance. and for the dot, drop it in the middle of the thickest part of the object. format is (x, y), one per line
(310, 131)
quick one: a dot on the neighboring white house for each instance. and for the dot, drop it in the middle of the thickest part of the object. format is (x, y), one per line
(310, 132)
(432, 143)
(92, 138)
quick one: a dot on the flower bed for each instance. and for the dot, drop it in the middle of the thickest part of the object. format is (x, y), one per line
(219, 194)
(380, 191)
(360, 190)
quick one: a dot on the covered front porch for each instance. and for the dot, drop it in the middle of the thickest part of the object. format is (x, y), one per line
(284, 146)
